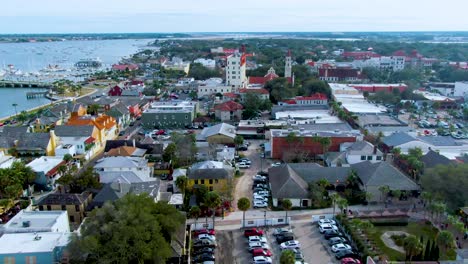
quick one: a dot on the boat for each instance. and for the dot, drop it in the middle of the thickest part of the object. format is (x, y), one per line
(89, 63)
(53, 68)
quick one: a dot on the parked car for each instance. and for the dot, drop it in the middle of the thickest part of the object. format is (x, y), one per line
(166, 177)
(204, 257)
(243, 165)
(199, 243)
(259, 177)
(326, 221)
(261, 245)
(132, 123)
(204, 250)
(257, 239)
(340, 247)
(346, 254)
(261, 186)
(259, 198)
(260, 204)
(350, 261)
(292, 244)
(170, 188)
(259, 189)
(284, 238)
(262, 259)
(245, 160)
(261, 252)
(204, 231)
(298, 256)
(332, 233)
(336, 240)
(253, 232)
(326, 227)
(279, 231)
(206, 236)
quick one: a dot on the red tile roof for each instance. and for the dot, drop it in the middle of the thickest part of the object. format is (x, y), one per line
(229, 106)
(231, 95)
(257, 91)
(123, 67)
(89, 140)
(257, 80)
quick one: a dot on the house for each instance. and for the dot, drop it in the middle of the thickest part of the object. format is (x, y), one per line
(37, 221)
(124, 67)
(261, 81)
(6, 161)
(212, 86)
(23, 143)
(46, 169)
(106, 126)
(433, 159)
(285, 183)
(228, 111)
(314, 99)
(153, 149)
(75, 204)
(116, 190)
(218, 134)
(121, 114)
(44, 247)
(56, 115)
(354, 153)
(115, 91)
(225, 154)
(126, 151)
(176, 64)
(169, 114)
(215, 175)
(123, 169)
(261, 93)
(78, 141)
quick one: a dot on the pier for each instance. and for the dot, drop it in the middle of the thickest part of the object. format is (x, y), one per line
(24, 84)
(32, 95)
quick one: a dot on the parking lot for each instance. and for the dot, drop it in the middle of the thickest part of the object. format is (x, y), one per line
(232, 245)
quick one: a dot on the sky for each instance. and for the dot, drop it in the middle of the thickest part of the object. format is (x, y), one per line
(135, 16)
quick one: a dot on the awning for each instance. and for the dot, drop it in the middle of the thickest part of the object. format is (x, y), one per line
(90, 140)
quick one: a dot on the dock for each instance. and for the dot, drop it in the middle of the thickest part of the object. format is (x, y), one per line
(32, 95)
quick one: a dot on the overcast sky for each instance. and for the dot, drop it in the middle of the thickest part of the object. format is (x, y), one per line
(101, 16)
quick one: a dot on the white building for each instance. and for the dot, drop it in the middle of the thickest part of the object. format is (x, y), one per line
(361, 151)
(208, 63)
(394, 63)
(353, 101)
(123, 169)
(451, 89)
(37, 221)
(177, 64)
(6, 161)
(235, 70)
(208, 90)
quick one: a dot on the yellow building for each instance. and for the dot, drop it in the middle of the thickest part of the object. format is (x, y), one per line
(74, 204)
(214, 175)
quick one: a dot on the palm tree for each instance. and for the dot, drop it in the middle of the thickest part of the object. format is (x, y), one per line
(195, 212)
(445, 239)
(342, 204)
(181, 183)
(238, 141)
(287, 257)
(384, 191)
(412, 246)
(213, 201)
(243, 204)
(439, 209)
(334, 197)
(94, 108)
(427, 197)
(287, 205)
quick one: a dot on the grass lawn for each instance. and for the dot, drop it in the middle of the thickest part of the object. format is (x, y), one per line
(415, 228)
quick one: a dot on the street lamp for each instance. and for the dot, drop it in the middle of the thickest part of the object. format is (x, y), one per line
(15, 105)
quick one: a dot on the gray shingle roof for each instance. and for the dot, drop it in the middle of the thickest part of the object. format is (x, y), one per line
(219, 129)
(121, 162)
(28, 141)
(64, 199)
(119, 176)
(312, 172)
(383, 174)
(433, 158)
(113, 191)
(209, 174)
(439, 140)
(74, 131)
(285, 183)
(397, 139)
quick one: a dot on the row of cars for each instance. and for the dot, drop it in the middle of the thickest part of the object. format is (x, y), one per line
(258, 246)
(338, 243)
(261, 190)
(286, 241)
(204, 246)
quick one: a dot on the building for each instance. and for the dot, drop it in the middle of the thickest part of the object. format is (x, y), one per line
(340, 75)
(218, 134)
(106, 126)
(225, 153)
(44, 247)
(261, 93)
(124, 67)
(24, 144)
(46, 169)
(235, 70)
(121, 114)
(352, 153)
(286, 142)
(38, 221)
(443, 101)
(450, 89)
(153, 149)
(78, 141)
(126, 151)
(374, 88)
(261, 81)
(177, 64)
(228, 111)
(116, 190)
(288, 65)
(123, 169)
(353, 101)
(75, 205)
(169, 114)
(6, 161)
(314, 99)
(208, 63)
(210, 89)
(215, 175)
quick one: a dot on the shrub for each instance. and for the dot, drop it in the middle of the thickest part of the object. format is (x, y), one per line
(398, 239)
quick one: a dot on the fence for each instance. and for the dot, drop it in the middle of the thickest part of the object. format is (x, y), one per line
(265, 222)
(316, 218)
(202, 225)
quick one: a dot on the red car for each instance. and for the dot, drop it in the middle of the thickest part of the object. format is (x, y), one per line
(161, 132)
(350, 261)
(253, 232)
(204, 231)
(261, 252)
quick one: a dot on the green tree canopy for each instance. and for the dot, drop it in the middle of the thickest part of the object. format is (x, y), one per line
(243, 204)
(200, 72)
(133, 229)
(14, 179)
(412, 246)
(287, 257)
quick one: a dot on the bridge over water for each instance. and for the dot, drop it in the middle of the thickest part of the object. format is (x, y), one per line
(24, 84)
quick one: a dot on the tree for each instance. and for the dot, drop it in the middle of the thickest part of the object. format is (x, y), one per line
(334, 197)
(133, 229)
(342, 204)
(67, 158)
(213, 201)
(287, 205)
(384, 190)
(445, 239)
(170, 152)
(200, 72)
(238, 140)
(427, 251)
(93, 109)
(243, 204)
(287, 257)
(195, 212)
(412, 246)
(181, 183)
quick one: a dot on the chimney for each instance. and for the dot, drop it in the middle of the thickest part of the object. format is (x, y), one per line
(120, 185)
(375, 150)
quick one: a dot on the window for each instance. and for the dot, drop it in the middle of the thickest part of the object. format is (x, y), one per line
(72, 218)
(210, 181)
(202, 181)
(216, 180)
(186, 116)
(30, 260)
(41, 208)
(363, 157)
(77, 207)
(49, 208)
(233, 72)
(9, 260)
(369, 157)
(211, 188)
(196, 181)
(64, 207)
(378, 158)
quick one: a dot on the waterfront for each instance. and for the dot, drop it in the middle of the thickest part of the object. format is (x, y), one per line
(31, 58)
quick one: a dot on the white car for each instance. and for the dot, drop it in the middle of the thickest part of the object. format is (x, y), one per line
(259, 177)
(276, 164)
(259, 198)
(326, 221)
(262, 193)
(206, 236)
(258, 245)
(243, 165)
(246, 161)
(293, 244)
(262, 259)
(340, 247)
(260, 204)
(257, 239)
(326, 227)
